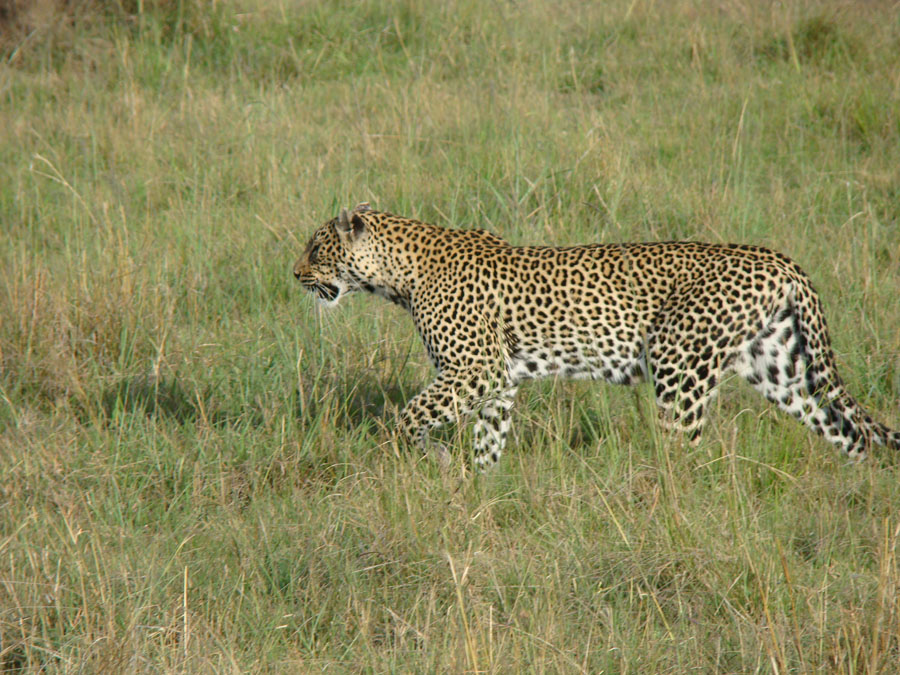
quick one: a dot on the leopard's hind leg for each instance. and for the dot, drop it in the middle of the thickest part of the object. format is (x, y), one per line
(686, 349)
(789, 361)
(683, 390)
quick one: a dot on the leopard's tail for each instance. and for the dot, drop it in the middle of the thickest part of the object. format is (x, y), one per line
(886, 436)
(843, 420)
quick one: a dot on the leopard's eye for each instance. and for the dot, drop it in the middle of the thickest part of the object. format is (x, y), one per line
(313, 254)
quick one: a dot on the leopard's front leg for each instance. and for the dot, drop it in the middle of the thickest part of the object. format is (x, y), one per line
(451, 396)
(492, 427)
(441, 402)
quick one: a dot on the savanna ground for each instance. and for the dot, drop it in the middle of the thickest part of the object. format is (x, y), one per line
(196, 465)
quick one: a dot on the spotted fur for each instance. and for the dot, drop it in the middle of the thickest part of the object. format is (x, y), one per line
(682, 314)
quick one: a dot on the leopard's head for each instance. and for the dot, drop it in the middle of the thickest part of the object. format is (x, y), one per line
(335, 262)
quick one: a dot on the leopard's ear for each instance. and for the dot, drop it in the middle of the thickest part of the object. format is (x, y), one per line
(343, 221)
(350, 226)
(362, 206)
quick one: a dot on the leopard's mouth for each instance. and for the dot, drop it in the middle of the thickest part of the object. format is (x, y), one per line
(327, 293)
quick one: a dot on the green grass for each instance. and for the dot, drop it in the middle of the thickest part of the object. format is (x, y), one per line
(196, 465)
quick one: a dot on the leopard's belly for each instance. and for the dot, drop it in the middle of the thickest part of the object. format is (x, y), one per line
(580, 356)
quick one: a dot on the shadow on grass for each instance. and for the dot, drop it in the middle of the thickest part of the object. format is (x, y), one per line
(168, 399)
(351, 402)
(348, 402)
(151, 397)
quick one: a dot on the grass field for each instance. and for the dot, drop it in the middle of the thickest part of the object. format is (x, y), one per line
(196, 465)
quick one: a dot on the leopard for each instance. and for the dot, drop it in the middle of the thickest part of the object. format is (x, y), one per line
(681, 314)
